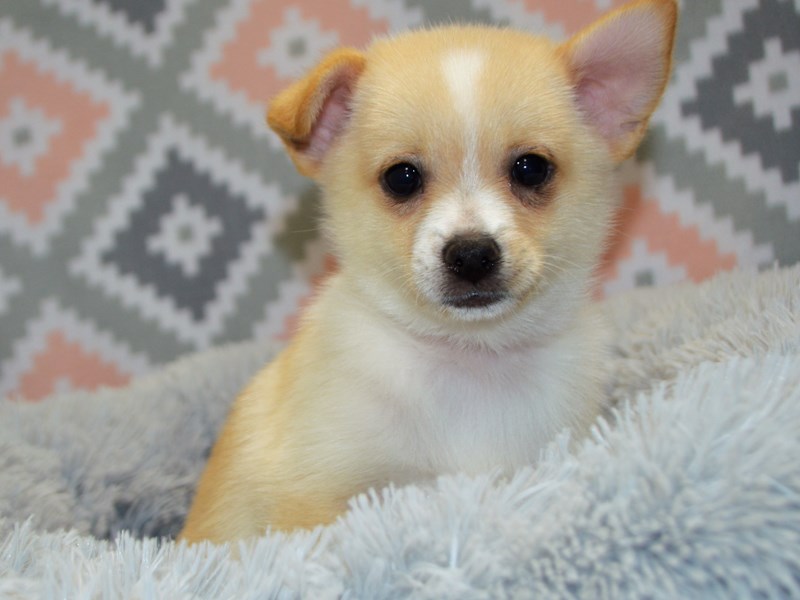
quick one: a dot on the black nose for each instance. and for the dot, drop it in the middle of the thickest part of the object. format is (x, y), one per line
(471, 257)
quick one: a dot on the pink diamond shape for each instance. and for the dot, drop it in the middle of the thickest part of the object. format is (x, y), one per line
(61, 351)
(29, 195)
(89, 109)
(230, 71)
(239, 64)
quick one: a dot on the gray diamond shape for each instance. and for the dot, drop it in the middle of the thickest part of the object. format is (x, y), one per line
(715, 105)
(130, 254)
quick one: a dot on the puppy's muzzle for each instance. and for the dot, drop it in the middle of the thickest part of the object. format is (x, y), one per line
(473, 266)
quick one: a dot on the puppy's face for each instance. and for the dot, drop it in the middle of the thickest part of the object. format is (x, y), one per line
(467, 180)
(464, 175)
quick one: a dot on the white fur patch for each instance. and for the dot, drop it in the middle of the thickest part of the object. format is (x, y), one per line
(458, 213)
(477, 209)
(462, 72)
(462, 69)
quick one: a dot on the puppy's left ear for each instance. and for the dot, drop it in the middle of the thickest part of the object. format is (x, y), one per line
(310, 114)
(619, 68)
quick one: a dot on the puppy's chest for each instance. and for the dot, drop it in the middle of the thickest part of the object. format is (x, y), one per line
(446, 410)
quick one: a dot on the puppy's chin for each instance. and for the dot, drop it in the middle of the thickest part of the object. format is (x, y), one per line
(477, 306)
(464, 302)
(474, 299)
(490, 298)
(449, 300)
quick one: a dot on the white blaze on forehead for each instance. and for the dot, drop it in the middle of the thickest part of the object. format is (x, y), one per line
(462, 71)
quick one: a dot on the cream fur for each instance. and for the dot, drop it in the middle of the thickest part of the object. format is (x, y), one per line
(386, 381)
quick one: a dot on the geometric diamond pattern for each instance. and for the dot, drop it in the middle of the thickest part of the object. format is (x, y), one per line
(185, 235)
(61, 351)
(657, 243)
(773, 87)
(717, 107)
(146, 210)
(258, 46)
(295, 44)
(180, 180)
(145, 28)
(642, 265)
(25, 135)
(57, 120)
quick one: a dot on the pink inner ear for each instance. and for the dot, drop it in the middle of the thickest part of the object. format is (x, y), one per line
(620, 68)
(330, 123)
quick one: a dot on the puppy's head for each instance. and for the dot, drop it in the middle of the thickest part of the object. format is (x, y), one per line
(467, 171)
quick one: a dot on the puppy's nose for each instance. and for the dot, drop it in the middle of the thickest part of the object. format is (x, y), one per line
(471, 257)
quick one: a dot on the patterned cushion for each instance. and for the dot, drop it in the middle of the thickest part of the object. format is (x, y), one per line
(146, 211)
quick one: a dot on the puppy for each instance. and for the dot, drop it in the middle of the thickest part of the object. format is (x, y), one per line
(467, 176)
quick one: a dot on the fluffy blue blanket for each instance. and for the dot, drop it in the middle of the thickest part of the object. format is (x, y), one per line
(690, 489)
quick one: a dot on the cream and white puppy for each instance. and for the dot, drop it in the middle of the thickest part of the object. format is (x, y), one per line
(468, 183)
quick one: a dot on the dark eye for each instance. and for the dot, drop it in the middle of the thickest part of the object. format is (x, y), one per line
(531, 170)
(402, 180)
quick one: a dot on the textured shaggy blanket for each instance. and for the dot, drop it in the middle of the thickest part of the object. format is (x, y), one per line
(691, 488)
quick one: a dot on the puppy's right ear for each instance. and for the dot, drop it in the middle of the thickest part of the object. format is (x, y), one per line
(311, 113)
